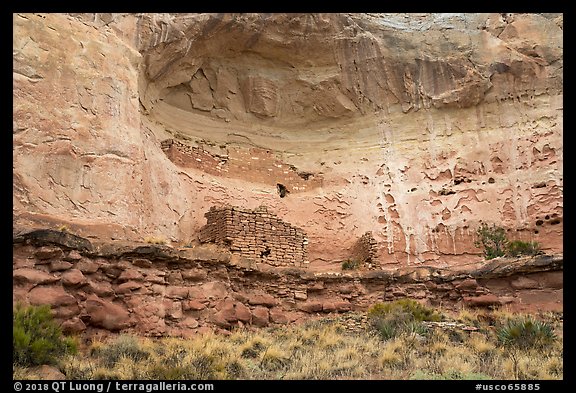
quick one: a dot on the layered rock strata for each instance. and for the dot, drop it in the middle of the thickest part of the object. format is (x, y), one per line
(415, 127)
(156, 290)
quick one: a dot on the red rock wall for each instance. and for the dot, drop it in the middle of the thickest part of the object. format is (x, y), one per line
(159, 290)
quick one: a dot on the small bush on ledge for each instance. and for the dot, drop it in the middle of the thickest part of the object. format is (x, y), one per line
(492, 239)
(350, 264)
(517, 248)
(495, 243)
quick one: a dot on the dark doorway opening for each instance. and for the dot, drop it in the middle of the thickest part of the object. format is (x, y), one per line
(282, 190)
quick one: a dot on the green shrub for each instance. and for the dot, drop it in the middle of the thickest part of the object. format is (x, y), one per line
(526, 333)
(36, 338)
(518, 247)
(350, 264)
(417, 311)
(492, 239)
(387, 328)
(400, 316)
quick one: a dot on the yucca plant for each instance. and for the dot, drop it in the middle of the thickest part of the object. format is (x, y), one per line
(523, 334)
(526, 333)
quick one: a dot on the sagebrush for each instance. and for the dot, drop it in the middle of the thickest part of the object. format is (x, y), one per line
(494, 242)
(36, 337)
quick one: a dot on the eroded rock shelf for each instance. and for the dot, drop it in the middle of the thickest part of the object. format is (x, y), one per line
(161, 290)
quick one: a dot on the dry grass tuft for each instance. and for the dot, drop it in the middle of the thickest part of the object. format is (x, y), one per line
(318, 350)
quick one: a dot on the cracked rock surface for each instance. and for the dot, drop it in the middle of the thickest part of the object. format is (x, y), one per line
(414, 127)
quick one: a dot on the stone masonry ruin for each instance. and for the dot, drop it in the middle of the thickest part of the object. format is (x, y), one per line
(255, 234)
(365, 250)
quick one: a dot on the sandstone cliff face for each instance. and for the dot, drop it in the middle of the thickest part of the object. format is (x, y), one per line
(414, 127)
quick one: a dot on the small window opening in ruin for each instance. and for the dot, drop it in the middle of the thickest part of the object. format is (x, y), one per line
(282, 190)
(265, 253)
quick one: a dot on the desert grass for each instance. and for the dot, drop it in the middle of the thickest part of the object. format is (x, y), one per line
(319, 350)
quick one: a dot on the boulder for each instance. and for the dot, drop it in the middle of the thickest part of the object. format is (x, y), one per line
(310, 307)
(87, 266)
(49, 373)
(342, 306)
(32, 276)
(130, 275)
(177, 292)
(482, 301)
(128, 287)
(219, 319)
(194, 305)
(190, 323)
(468, 284)
(58, 266)
(242, 312)
(99, 288)
(214, 290)
(72, 256)
(260, 316)
(141, 262)
(48, 252)
(231, 311)
(54, 296)
(196, 293)
(300, 295)
(173, 309)
(73, 326)
(66, 312)
(174, 278)
(155, 278)
(262, 299)
(73, 278)
(328, 306)
(281, 316)
(105, 314)
(554, 280)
